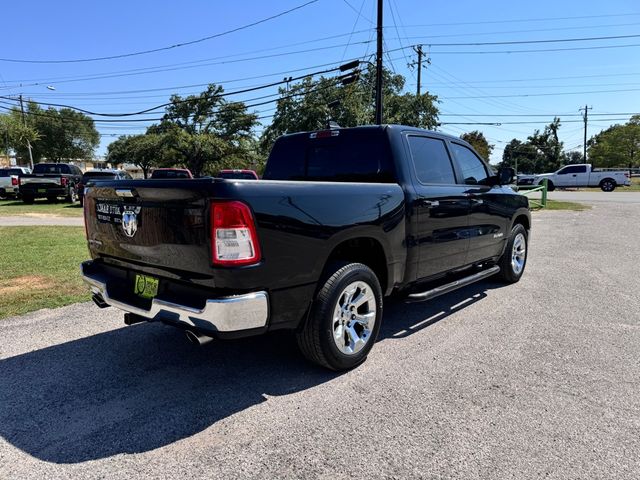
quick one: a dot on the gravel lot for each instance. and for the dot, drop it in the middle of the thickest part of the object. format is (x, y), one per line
(538, 379)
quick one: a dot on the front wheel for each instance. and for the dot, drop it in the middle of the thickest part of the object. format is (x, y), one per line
(550, 186)
(514, 258)
(345, 318)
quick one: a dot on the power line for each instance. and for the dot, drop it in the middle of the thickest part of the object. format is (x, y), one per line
(525, 20)
(261, 57)
(528, 42)
(548, 94)
(497, 124)
(163, 105)
(537, 50)
(221, 109)
(170, 47)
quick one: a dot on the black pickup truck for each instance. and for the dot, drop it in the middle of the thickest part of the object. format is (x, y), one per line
(341, 219)
(50, 181)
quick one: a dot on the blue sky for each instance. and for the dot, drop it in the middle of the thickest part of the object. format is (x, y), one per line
(473, 83)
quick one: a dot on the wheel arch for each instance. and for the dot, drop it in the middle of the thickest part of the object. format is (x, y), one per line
(362, 249)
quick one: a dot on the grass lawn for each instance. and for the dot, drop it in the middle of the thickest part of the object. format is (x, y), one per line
(40, 207)
(559, 205)
(40, 268)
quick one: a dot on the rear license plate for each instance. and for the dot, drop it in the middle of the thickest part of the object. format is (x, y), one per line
(145, 286)
(42, 190)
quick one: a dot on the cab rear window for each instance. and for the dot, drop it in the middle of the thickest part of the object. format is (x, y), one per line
(350, 156)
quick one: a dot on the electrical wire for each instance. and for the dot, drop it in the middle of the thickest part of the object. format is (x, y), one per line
(170, 47)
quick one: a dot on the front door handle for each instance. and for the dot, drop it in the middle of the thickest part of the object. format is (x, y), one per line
(430, 203)
(477, 201)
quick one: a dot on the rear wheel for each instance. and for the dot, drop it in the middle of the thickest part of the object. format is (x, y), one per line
(345, 318)
(28, 198)
(514, 258)
(71, 196)
(608, 185)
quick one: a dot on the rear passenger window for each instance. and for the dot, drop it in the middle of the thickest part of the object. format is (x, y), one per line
(431, 160)
(473, 170)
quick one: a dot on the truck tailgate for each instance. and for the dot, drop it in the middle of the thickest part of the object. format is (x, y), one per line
(159, 223)
(40, 180)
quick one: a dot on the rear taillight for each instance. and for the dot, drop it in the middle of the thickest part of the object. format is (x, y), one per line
(64, 181)
(14, 181)
(234, 240)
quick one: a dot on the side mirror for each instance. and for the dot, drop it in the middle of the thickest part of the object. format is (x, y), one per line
(506, 176)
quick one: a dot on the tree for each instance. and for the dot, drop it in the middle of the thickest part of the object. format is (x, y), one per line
(548, 146)
(479, 143)
(204, 131)
(55, 134)
(16, 135)
(522, 156)
(144, 150)
(617, 146)
(310, 104)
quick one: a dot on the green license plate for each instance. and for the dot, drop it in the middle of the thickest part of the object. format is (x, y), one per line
(145, 286)
(42, 190)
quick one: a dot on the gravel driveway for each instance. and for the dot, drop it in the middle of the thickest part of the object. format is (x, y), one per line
(538, 379)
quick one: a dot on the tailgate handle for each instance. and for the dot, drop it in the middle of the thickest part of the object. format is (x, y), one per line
(125, 192)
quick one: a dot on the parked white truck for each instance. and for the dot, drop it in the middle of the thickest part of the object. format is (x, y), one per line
(579, 175)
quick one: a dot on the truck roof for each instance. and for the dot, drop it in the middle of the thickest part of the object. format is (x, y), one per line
(390, 126)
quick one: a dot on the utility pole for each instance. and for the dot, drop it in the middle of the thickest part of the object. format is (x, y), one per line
(379, 66)
(24, 121)
(585, 116)
(418, 50)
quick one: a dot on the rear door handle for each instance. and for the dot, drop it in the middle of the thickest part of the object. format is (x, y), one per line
(431, 203)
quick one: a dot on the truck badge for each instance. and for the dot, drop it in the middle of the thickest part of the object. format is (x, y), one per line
(129, 223)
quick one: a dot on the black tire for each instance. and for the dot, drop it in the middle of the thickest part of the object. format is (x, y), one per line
(608, 185)
(316, 337)
(511, 270)
(550, 186)
(29, 199)
(71, 196)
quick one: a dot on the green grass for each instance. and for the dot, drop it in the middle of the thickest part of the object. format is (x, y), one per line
(40, 268)
(40, 207)
(559, 205)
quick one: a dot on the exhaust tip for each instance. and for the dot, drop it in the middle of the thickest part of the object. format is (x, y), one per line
(99, 301)
(197, 338)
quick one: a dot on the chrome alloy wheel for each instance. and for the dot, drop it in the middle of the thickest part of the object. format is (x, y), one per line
(518, 253)
(354, 317)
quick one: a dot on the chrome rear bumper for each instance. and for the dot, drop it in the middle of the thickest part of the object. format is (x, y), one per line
(223, 314)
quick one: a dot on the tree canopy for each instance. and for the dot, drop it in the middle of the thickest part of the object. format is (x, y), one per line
(203, 133)
(617, 146)
(479, 143)
(542, 152)
(55, 135)
(310, 104)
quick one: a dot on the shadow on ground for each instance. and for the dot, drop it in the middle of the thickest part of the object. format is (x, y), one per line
(139, 388)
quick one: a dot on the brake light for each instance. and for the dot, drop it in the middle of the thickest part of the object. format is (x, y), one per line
(234, 240)
(63, 181)
(14, 181)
